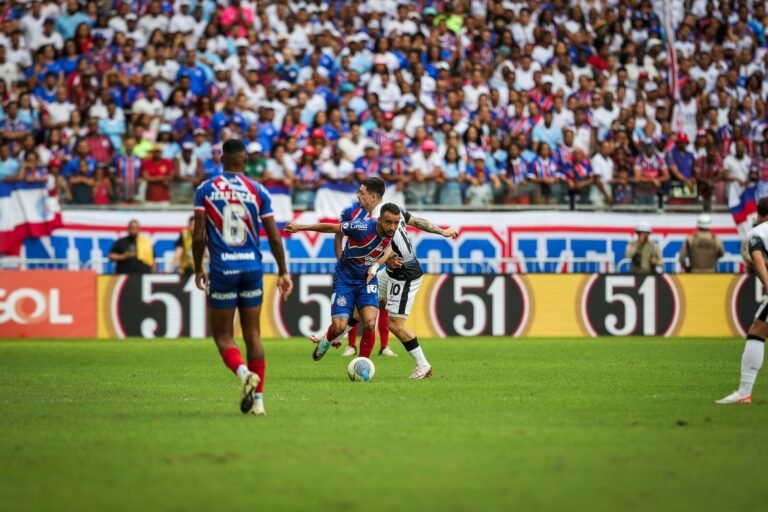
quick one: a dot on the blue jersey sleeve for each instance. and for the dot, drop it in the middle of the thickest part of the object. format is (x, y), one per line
(358, 230)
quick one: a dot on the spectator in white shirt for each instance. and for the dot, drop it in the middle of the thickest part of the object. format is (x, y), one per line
(427, 174)
(603, 167)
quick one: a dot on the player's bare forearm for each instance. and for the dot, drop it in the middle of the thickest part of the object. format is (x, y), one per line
(323, 227)
(758, 264)
(275, 244)
(425, 225)
(337, 244)
(198, 241)
(384, 257)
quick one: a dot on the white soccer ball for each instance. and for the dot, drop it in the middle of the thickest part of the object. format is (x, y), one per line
(361, 369)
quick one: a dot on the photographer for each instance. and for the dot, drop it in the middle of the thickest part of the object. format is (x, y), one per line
(644, 254)
(702, 249)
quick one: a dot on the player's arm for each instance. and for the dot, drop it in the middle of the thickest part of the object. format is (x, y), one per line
(284, 282)
(198, 249)
(337, 241)
(373, 269)
(425, 225)
(323, 227)
(756, 250)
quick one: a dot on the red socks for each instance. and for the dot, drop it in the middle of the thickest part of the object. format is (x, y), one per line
(260, 369)
(353, 336)
(384, 327)
(232, 358)
(367, 340)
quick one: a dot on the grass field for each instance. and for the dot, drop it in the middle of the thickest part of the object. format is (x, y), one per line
(504, 425)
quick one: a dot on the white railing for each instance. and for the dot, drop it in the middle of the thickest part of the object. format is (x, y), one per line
(431, 265)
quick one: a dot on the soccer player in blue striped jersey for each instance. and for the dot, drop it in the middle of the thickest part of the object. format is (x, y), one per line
(355, 285)
(228, 208)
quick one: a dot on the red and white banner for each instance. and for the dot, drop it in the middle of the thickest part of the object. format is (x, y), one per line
(26, 210)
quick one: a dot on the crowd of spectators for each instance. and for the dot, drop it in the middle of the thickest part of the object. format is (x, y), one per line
(468, 102)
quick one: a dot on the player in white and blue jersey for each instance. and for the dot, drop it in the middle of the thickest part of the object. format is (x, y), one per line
(354, 284)
(353, 212)
(228, 210)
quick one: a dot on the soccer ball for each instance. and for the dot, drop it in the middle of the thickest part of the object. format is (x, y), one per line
(361, 369)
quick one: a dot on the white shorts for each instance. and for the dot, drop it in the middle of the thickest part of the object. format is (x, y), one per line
(401, 296)
(760, 314)
(383, 280)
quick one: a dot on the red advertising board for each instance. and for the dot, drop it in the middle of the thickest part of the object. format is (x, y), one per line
(47, 304)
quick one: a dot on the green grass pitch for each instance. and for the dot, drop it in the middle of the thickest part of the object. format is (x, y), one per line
(535, 424)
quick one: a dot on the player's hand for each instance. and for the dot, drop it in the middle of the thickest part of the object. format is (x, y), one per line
(291, 227)
(395, 262)
(372, 272)
(201, 281)
(285, 285)
(450, 233)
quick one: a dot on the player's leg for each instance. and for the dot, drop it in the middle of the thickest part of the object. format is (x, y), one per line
(342, 306)
(368, 316)
(751, 359)
(351, 349)
(402, 295)
(249, 306)
(384, 348)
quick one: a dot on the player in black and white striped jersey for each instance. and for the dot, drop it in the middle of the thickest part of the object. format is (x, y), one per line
(400, 281)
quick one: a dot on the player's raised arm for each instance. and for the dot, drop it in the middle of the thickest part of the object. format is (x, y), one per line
(284, 281)
(198, 249)
(323, 227)
(425, 225)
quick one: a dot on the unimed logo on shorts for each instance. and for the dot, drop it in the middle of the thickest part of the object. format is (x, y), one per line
(48, 304)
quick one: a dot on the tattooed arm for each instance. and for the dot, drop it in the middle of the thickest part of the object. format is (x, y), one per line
(425, 225)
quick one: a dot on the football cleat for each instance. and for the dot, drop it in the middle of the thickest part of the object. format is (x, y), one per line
(249, 390)
(421, 372)
(349, 351)
(258, 408)
(321, 348)
(735, 398)
(388, 352)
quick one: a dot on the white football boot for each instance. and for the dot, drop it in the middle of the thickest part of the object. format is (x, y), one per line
(735, 398)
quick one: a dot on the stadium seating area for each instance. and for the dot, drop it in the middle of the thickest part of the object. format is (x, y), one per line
(468, 102)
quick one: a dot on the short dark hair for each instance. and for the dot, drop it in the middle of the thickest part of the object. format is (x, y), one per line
(233, 147)
(762, 207)
(374, 185)
(395, 210)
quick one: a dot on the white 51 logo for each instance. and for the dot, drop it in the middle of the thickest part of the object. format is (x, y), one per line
(46, 307)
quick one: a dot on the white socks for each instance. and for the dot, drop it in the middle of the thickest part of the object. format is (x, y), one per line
(751, 362)
(418, 355)
(243, 372)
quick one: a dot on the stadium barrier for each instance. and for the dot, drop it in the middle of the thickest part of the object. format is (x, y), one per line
(509, 242)
(61, 304)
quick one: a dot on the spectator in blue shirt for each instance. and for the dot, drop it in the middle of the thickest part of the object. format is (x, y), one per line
(681, 163)
(198, 79)
(70, 18)
(82, 153)
(227, 115)
(9, 166)
(547, 133)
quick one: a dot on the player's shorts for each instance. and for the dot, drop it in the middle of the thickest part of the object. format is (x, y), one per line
(762, 311)
(383, 279)
(401, 296)
(241, 290)
(348, 295)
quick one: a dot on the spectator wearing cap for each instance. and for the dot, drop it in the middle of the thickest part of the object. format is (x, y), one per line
(385, 135)
(643, 253)
(70, 18)
(702, 249)
(427, 175)
(187, 174)
(158, 172)
(651, 174)
(213, 166)
(256, 165)
(171, 148)
(681, 163)
(307, 178)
